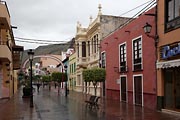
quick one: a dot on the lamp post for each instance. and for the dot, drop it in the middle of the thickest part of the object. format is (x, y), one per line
(65, 68)
(31, 53)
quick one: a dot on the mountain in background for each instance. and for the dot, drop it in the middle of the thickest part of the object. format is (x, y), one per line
(55, 49)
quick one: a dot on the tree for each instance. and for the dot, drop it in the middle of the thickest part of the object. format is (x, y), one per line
(46, 79)
(94, 75)
(59, 77)
(36, 78)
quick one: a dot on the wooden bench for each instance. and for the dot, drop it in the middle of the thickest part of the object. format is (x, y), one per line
(92, 102)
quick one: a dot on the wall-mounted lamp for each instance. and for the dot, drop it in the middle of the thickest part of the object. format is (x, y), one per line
(116, 69)
(147, 29)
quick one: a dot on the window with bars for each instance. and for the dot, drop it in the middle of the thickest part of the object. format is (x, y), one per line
(103, 59)
(137, 54)
(122, 57)
(172, 13)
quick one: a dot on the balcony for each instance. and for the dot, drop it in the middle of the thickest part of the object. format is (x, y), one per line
(82, 62)
(4, 16)
(16, 57)
(94, 58)
(5, 52)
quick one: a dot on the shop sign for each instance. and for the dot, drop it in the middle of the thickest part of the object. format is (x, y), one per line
(168, 51)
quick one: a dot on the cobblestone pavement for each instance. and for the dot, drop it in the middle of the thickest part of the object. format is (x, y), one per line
(49, 105)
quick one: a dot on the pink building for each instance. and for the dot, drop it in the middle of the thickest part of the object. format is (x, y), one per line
(50, 63)
(129, 57)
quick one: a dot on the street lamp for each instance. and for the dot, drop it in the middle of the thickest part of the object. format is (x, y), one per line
(65, 68)
(31, 54)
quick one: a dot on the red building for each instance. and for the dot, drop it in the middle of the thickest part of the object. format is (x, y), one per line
(129, 57)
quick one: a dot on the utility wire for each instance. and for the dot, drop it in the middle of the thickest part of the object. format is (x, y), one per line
(147, 7)
(28, 39)
(52, 43)
(135, 8)
(31, 42)
(35, 42)
(41, 41)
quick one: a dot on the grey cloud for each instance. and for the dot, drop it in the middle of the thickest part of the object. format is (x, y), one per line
(57, 19)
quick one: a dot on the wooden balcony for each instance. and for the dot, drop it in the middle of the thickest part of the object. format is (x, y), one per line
(16, 57)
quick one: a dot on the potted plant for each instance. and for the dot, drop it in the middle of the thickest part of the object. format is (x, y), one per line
(26, 89)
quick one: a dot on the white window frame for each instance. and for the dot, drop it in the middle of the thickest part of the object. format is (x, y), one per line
(141, 52)
(120, 55)
(105, 58)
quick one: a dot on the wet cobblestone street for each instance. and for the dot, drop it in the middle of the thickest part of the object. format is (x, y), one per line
(49, 105)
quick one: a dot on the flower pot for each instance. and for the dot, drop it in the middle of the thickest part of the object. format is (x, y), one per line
(26, 92)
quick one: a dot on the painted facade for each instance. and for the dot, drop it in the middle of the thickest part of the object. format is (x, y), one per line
(49, 62)
(168, 63)
(128, 55)
(9, 55)
(72, 72)
(87, 42)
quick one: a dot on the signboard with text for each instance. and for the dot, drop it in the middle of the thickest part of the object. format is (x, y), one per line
(170, 51)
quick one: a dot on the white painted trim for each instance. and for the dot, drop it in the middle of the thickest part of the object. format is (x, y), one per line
(142, 89)
(141, 51)
(126, 88)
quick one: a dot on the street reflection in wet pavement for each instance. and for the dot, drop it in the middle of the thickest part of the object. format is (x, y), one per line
(49, 105)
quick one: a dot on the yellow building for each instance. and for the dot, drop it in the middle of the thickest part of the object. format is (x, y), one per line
(168, 51)
(9, 55)
(72, 72)
(87, 42)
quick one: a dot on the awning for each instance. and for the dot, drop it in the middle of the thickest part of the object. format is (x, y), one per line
(168, 64)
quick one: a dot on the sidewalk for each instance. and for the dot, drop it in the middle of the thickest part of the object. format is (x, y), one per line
(48, 105)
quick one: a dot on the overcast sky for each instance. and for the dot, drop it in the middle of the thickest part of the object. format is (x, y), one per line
(56, 20)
